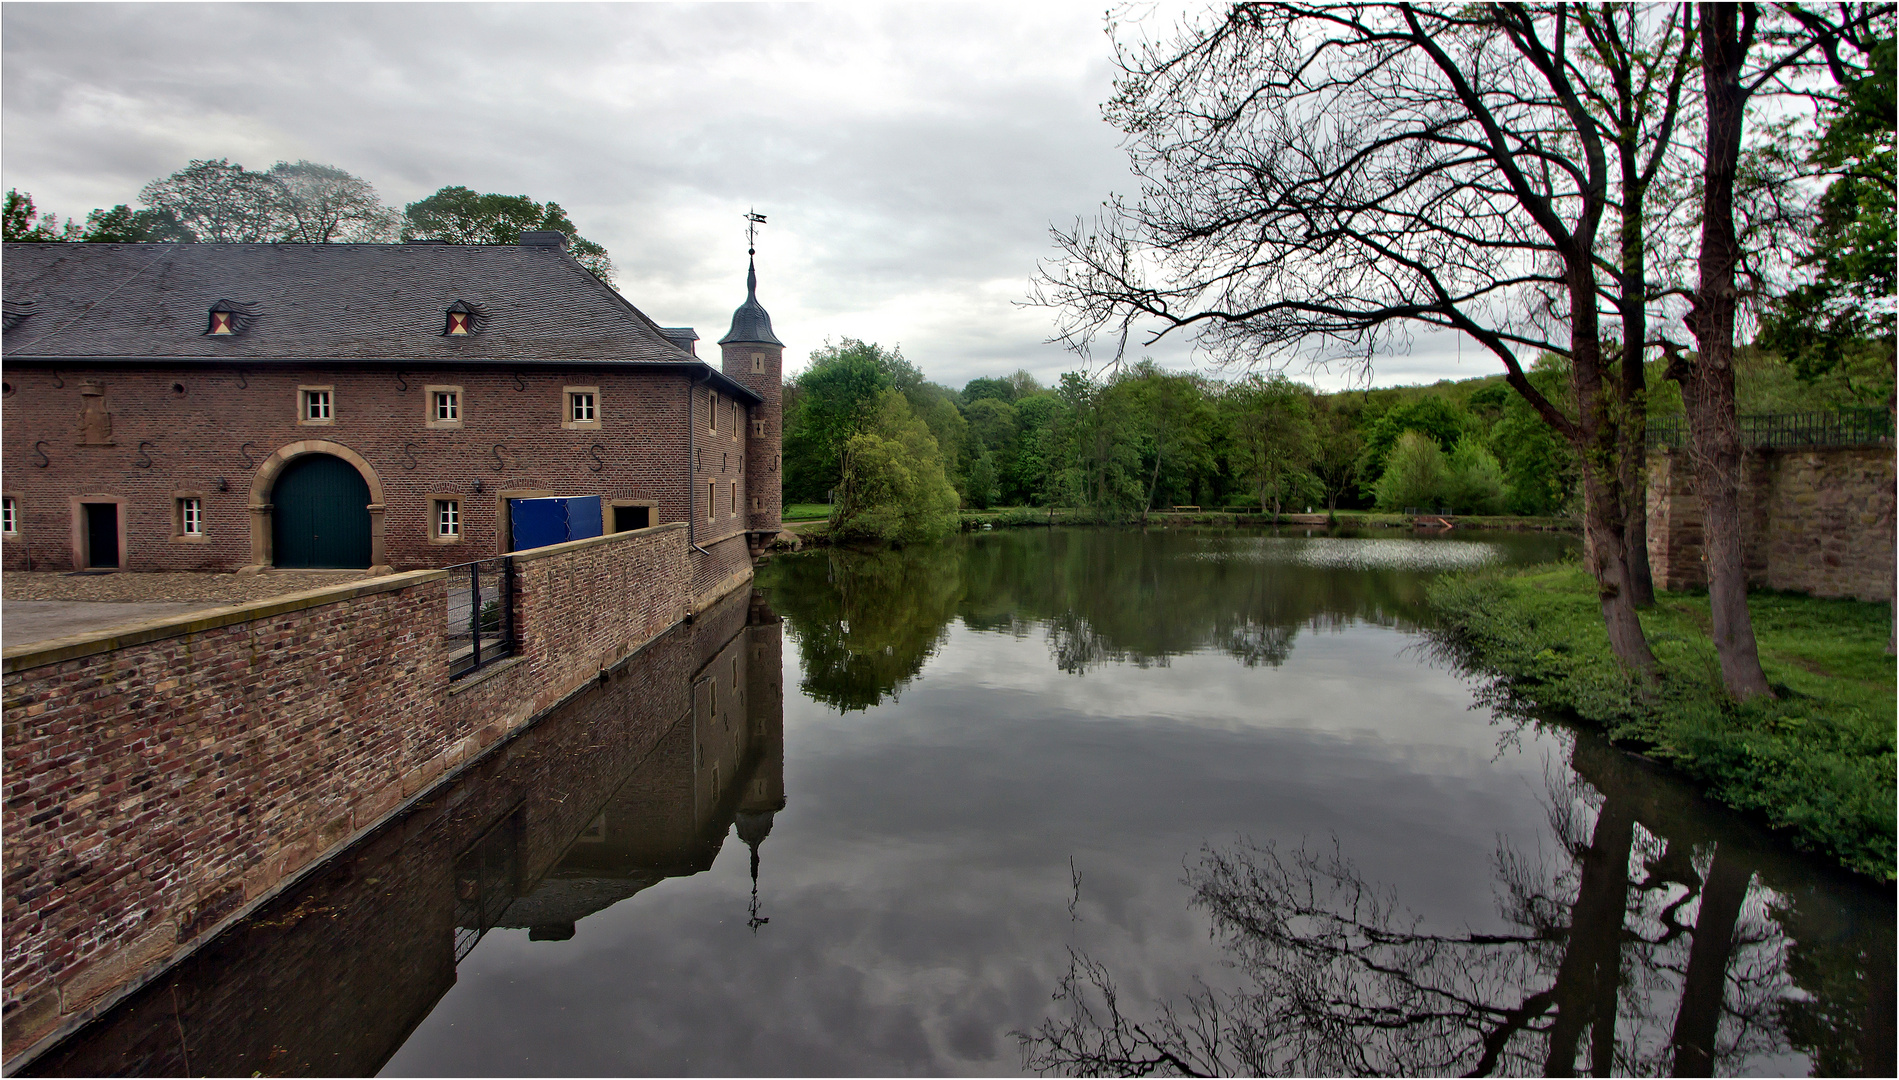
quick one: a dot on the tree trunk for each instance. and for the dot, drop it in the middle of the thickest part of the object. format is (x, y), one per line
(1590, 972)
(1707, 382)
(1631, 299)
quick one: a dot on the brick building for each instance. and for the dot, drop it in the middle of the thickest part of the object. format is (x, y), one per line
(224, 406)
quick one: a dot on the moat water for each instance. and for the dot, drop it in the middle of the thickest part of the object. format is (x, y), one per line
(1068, 801)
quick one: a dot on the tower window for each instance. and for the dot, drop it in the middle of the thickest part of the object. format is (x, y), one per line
(758, 428)
(758, 363)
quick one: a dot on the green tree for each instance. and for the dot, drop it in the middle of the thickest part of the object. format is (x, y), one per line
(23, 222)
(124, 225)
(894, 488)
(1272, 437)
(220, 203)
(982, 487)
(1431, 414)
(828, 403)
(461, 216)
(1416, 475)
(1475, 483)
(1336, 443)
(1844, 317)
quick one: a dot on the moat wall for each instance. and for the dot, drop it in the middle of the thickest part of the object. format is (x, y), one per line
(1818, 521)
(161, 781)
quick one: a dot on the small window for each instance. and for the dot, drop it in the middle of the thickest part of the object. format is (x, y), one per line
(712, 499)
(448, 519)
(758, 363)
(712, 410)
(758, 428)
(316, 405)
(191, 517)
(463, 319)
(448, 405)
(583, 408)
(9, 516)
(221, 323)
(442, 406)
(227, 319)
(755, 505)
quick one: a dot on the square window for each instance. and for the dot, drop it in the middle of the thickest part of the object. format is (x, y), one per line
(448, 519)
(448, 405)
(583, 408)
(191, 517)
(318, 406)
(9, 516)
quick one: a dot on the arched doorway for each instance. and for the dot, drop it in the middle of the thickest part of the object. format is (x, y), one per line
(320, 515)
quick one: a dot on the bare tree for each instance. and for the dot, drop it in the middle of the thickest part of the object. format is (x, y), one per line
(322, 204)
(1745, 51)
(1324, 178)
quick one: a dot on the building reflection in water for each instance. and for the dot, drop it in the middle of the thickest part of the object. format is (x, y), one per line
(635, 780)
(1665, 936)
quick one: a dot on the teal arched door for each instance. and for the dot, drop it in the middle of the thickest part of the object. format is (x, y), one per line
(320, 515)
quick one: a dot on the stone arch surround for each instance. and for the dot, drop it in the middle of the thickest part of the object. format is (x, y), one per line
(266, 478)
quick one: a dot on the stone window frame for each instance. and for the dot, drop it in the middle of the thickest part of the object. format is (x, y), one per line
(758, 429)
(567, 421)
(756, 506)
(304, 401)
(734, 503)
(437, 500)
(652, 511)
(178, 533)
(430, 407)
(712, 411)
(758, 363)
(712, 500)
(9, 515)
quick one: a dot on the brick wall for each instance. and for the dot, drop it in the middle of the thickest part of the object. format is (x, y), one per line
(178, 432)
(330, 978)
(1818, 521)
(159, 781)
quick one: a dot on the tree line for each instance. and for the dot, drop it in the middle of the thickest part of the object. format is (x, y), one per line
(1141, 438)
(301, 202)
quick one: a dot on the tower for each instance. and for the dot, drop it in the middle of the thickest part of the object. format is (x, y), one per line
(754, 357)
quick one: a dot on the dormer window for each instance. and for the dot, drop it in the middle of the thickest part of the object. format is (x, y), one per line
(463, 319)
(228, 319)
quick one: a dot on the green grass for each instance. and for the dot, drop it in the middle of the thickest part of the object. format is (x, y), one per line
(1817, 761)
(808, 512)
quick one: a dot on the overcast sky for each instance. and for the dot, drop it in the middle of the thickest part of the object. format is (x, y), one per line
(911, 158)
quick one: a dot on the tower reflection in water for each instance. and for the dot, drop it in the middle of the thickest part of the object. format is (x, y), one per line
(634, 780)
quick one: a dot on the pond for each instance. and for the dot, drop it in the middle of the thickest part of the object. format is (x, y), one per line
(1074, 801)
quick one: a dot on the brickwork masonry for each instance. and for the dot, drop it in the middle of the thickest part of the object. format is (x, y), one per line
(161, 781)
(1818, 521)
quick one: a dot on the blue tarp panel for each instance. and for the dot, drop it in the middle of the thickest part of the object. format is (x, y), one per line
(583, 517)
(540, 522)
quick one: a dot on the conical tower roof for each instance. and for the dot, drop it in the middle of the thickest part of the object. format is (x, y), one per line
(751, 322)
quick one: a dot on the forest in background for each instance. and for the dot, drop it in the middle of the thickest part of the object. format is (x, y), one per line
(1144, 438)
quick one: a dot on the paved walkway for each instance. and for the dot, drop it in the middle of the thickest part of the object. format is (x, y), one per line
(39, 606)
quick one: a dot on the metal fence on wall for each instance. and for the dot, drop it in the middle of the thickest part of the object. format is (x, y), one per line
(1782, 431)
(480, 614)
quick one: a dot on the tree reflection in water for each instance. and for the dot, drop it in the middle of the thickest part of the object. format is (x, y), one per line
(867, 621)
(1653, 942)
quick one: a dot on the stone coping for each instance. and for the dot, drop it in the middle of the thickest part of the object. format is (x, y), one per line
(52, 651)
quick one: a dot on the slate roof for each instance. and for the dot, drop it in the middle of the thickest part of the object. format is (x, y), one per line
(751, 322)
(352, 302)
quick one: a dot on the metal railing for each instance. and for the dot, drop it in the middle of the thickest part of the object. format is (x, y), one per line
(480, 614)
(1783, 431)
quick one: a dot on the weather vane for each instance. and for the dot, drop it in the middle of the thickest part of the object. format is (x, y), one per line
(753, 219)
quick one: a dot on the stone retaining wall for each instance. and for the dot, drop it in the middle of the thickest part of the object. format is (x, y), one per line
(162, 780)
(1818, 521)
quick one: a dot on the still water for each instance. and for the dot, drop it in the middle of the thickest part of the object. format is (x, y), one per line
(1058, 800)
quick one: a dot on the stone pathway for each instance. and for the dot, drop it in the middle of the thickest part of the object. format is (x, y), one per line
(41, 606)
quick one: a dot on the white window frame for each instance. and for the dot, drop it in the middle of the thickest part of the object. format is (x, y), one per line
(312, 400)
(445, 518)
(190, 516)
(571, 401)
(432, 416)
(9, 516)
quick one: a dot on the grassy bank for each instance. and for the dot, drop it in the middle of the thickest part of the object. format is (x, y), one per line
(1003, 517)
(1817, 762)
